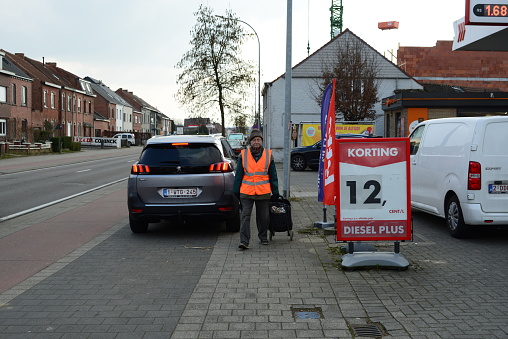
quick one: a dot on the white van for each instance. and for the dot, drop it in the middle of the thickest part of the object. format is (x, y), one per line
(131, 140)
(459, 171)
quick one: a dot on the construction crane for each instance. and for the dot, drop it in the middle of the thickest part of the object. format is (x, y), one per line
(335, 18)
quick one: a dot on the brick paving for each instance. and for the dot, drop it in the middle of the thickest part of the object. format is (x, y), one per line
(119, 286)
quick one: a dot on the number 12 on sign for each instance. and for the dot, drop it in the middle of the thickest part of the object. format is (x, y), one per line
(373, 200)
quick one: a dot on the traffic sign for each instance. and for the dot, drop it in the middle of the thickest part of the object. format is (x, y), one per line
(373, 193)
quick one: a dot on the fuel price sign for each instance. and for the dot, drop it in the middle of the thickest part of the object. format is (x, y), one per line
(489, 12)
(373, 197)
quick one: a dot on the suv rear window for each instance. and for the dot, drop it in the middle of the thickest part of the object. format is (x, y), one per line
(186, 154)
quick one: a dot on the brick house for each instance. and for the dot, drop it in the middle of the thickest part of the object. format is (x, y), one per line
(140, 109)
(150, 118)
(108, 102)
(54, 99)
(15, 102)
(83, 120)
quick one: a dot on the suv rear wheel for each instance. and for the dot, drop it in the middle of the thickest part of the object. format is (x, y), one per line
(233, 224)
(138, 226)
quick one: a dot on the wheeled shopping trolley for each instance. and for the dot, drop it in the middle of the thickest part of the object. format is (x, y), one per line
(280, 216)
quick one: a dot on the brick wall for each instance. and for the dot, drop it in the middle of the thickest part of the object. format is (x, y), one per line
(441, 61)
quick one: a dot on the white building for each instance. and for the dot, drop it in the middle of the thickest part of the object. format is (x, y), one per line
(304, 86)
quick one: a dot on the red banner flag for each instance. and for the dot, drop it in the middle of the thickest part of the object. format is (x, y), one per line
(329, 161)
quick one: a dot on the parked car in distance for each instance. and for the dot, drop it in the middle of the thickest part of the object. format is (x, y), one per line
(308, 156)
(236, 145)
(183, 177)
(131, 140)
(459, 171)
(238, 136)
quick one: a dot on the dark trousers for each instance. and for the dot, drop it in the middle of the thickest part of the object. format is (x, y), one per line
(262, 218)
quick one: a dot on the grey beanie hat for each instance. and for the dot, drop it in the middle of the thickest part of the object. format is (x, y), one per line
(255, 133)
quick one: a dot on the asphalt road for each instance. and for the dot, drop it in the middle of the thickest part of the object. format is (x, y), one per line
(29, 189)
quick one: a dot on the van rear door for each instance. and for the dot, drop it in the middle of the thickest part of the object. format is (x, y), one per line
(493, 156)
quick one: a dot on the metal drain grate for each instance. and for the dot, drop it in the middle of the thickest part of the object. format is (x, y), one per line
(367, 330)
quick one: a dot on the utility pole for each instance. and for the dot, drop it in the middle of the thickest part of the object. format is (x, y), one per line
(287, 102)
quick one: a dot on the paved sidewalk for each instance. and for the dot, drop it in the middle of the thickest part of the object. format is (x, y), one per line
(261, 292)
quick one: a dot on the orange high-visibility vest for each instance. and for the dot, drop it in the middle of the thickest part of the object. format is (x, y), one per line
(255, 179)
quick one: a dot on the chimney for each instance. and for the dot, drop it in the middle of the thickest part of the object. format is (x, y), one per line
(51, 64)
(22, 55)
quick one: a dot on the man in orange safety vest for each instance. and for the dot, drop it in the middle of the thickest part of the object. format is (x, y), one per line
(255, 182)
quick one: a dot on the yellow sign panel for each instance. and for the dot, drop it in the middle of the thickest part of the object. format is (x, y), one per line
(311, 133)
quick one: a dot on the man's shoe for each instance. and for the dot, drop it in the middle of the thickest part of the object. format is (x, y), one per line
(264, 242)
(243, 246)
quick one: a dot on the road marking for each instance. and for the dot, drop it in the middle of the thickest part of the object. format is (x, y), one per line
(84, 170)
(36, 208)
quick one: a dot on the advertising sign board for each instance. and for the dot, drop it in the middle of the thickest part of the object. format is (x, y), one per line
(311, 132)
(98, 141)
(373, 191)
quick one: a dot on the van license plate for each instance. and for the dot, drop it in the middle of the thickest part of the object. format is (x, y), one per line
(179, 192)
(498, 189)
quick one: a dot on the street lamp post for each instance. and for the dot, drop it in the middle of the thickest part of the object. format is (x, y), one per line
(258, 115)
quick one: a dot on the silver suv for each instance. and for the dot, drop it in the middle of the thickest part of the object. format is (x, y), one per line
(182, 177)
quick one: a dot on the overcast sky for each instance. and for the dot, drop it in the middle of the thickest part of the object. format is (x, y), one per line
(136, 44)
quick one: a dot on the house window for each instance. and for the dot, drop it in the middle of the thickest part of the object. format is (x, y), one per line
(3, 94)
(79, 105)
(23, 95)
(14, 94)
(89, 107)
(3, 127)
(69, 103)
(45, 98)
(52, 100)
(63, 102)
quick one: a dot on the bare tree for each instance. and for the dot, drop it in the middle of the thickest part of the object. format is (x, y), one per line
(356, 70)
(213, 75)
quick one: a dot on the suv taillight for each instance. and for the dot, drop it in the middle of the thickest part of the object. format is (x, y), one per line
(221, 167)
(474, 176)
(140, 169)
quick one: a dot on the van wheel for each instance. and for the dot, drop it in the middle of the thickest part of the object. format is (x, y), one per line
(455, 219)
(138, 226)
